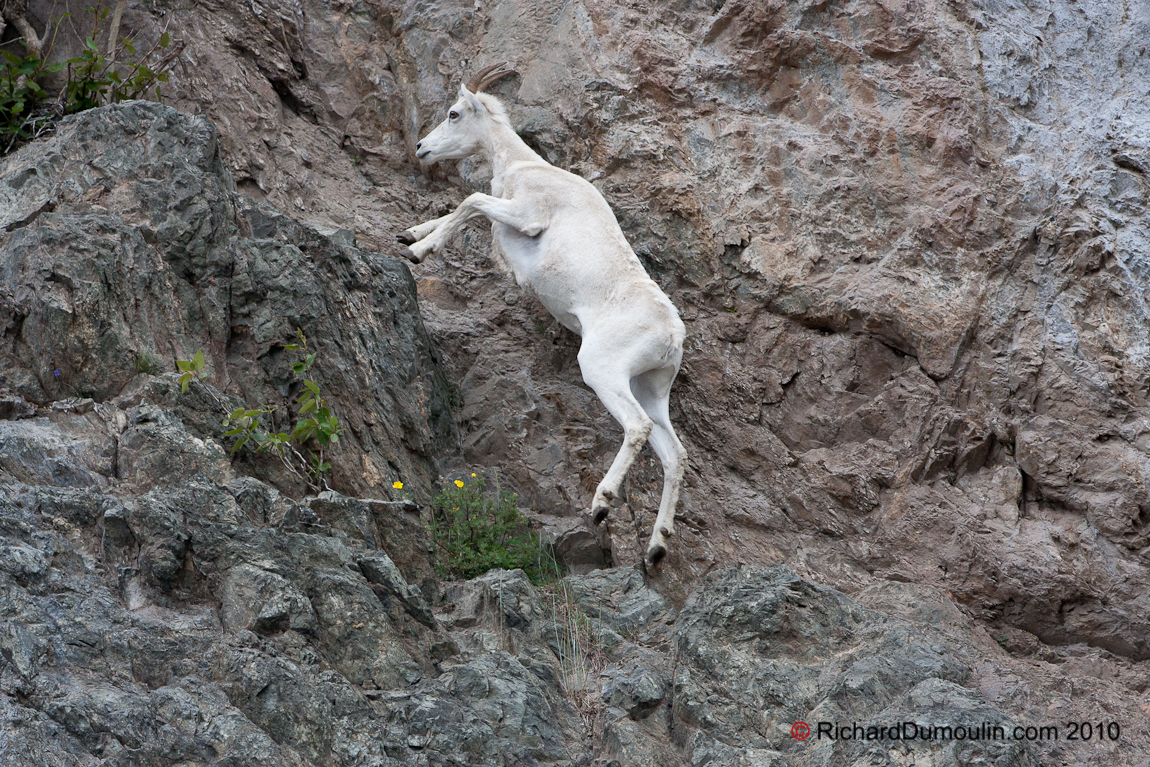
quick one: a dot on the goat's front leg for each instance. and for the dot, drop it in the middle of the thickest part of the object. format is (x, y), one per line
(513, 213)
(419, 231)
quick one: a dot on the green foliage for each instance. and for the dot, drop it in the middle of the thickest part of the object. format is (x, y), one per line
(475, 533)
(315, 423)
(245, 425)
(94, 78)
(315, 430)
(193, 369)
(454, 398)
(146, 362)
(21, 93)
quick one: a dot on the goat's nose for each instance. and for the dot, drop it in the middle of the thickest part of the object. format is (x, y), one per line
(418, 144)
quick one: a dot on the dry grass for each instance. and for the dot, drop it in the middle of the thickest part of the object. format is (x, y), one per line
(582, 657)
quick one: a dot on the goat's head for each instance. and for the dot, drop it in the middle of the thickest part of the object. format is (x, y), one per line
(468, 121)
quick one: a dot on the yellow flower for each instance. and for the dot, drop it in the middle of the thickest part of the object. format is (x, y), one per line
(473, 474)
(459, 483)
(397, 485)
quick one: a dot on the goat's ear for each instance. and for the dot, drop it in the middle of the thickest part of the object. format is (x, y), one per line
(470, 99)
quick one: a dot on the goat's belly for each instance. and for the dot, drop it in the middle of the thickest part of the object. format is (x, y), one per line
(538, 274)
(522, 253)
(566, 318)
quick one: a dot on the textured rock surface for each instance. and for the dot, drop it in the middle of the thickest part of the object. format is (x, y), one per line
(212, 620)
(908, 241)
(128, 244)
(910, 246)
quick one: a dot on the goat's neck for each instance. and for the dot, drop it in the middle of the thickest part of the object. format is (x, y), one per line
(503, 148)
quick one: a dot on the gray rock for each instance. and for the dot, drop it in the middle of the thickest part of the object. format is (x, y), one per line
(500, 599)
(629, 743)
(908, 242)
(261, 503)
(14, 408)
(21, 648)
(31, 737)
(635, 688)
(156, 449)
(140, 190)
(358, 641)
(576, 546)
(263, 602)
(621, 599)
(23, 562)
(492, 710)
(378, 568)
(759, 649)
(50, 450)
(936, 709)
(705, 750)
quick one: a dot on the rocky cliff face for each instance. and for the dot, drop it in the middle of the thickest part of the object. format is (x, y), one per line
(128, 247)
(909, 244)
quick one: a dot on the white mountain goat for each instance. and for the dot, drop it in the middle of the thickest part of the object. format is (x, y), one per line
(563, 244)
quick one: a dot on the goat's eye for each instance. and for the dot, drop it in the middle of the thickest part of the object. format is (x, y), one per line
(453, 115)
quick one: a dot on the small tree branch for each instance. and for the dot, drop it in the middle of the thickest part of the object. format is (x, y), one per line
(114, 29)
(32, 40)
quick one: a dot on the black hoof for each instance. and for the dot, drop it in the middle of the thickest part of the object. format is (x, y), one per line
(409, 254)
(406, 238)
(600, 514)
(655, 555)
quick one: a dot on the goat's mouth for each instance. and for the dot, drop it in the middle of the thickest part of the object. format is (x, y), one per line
(423, 153)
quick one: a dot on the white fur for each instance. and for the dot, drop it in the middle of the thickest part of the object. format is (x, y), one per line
(563, 244)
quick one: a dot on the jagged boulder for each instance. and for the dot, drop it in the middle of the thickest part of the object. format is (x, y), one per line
(127, 247)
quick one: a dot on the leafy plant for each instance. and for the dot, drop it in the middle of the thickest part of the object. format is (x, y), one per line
(94, 78)
(193, 369)
(454, 398)
(315, 430)
(315, 421)
(21, 93)
(476, 532)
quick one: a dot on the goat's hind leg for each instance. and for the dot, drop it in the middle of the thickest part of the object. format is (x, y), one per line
(613, 390)
(653, 390)
(636, 429)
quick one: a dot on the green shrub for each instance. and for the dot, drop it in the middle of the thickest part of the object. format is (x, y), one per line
(316, 429)
(192, 369)
(94, 78)
(475, 532)
(20, 96)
